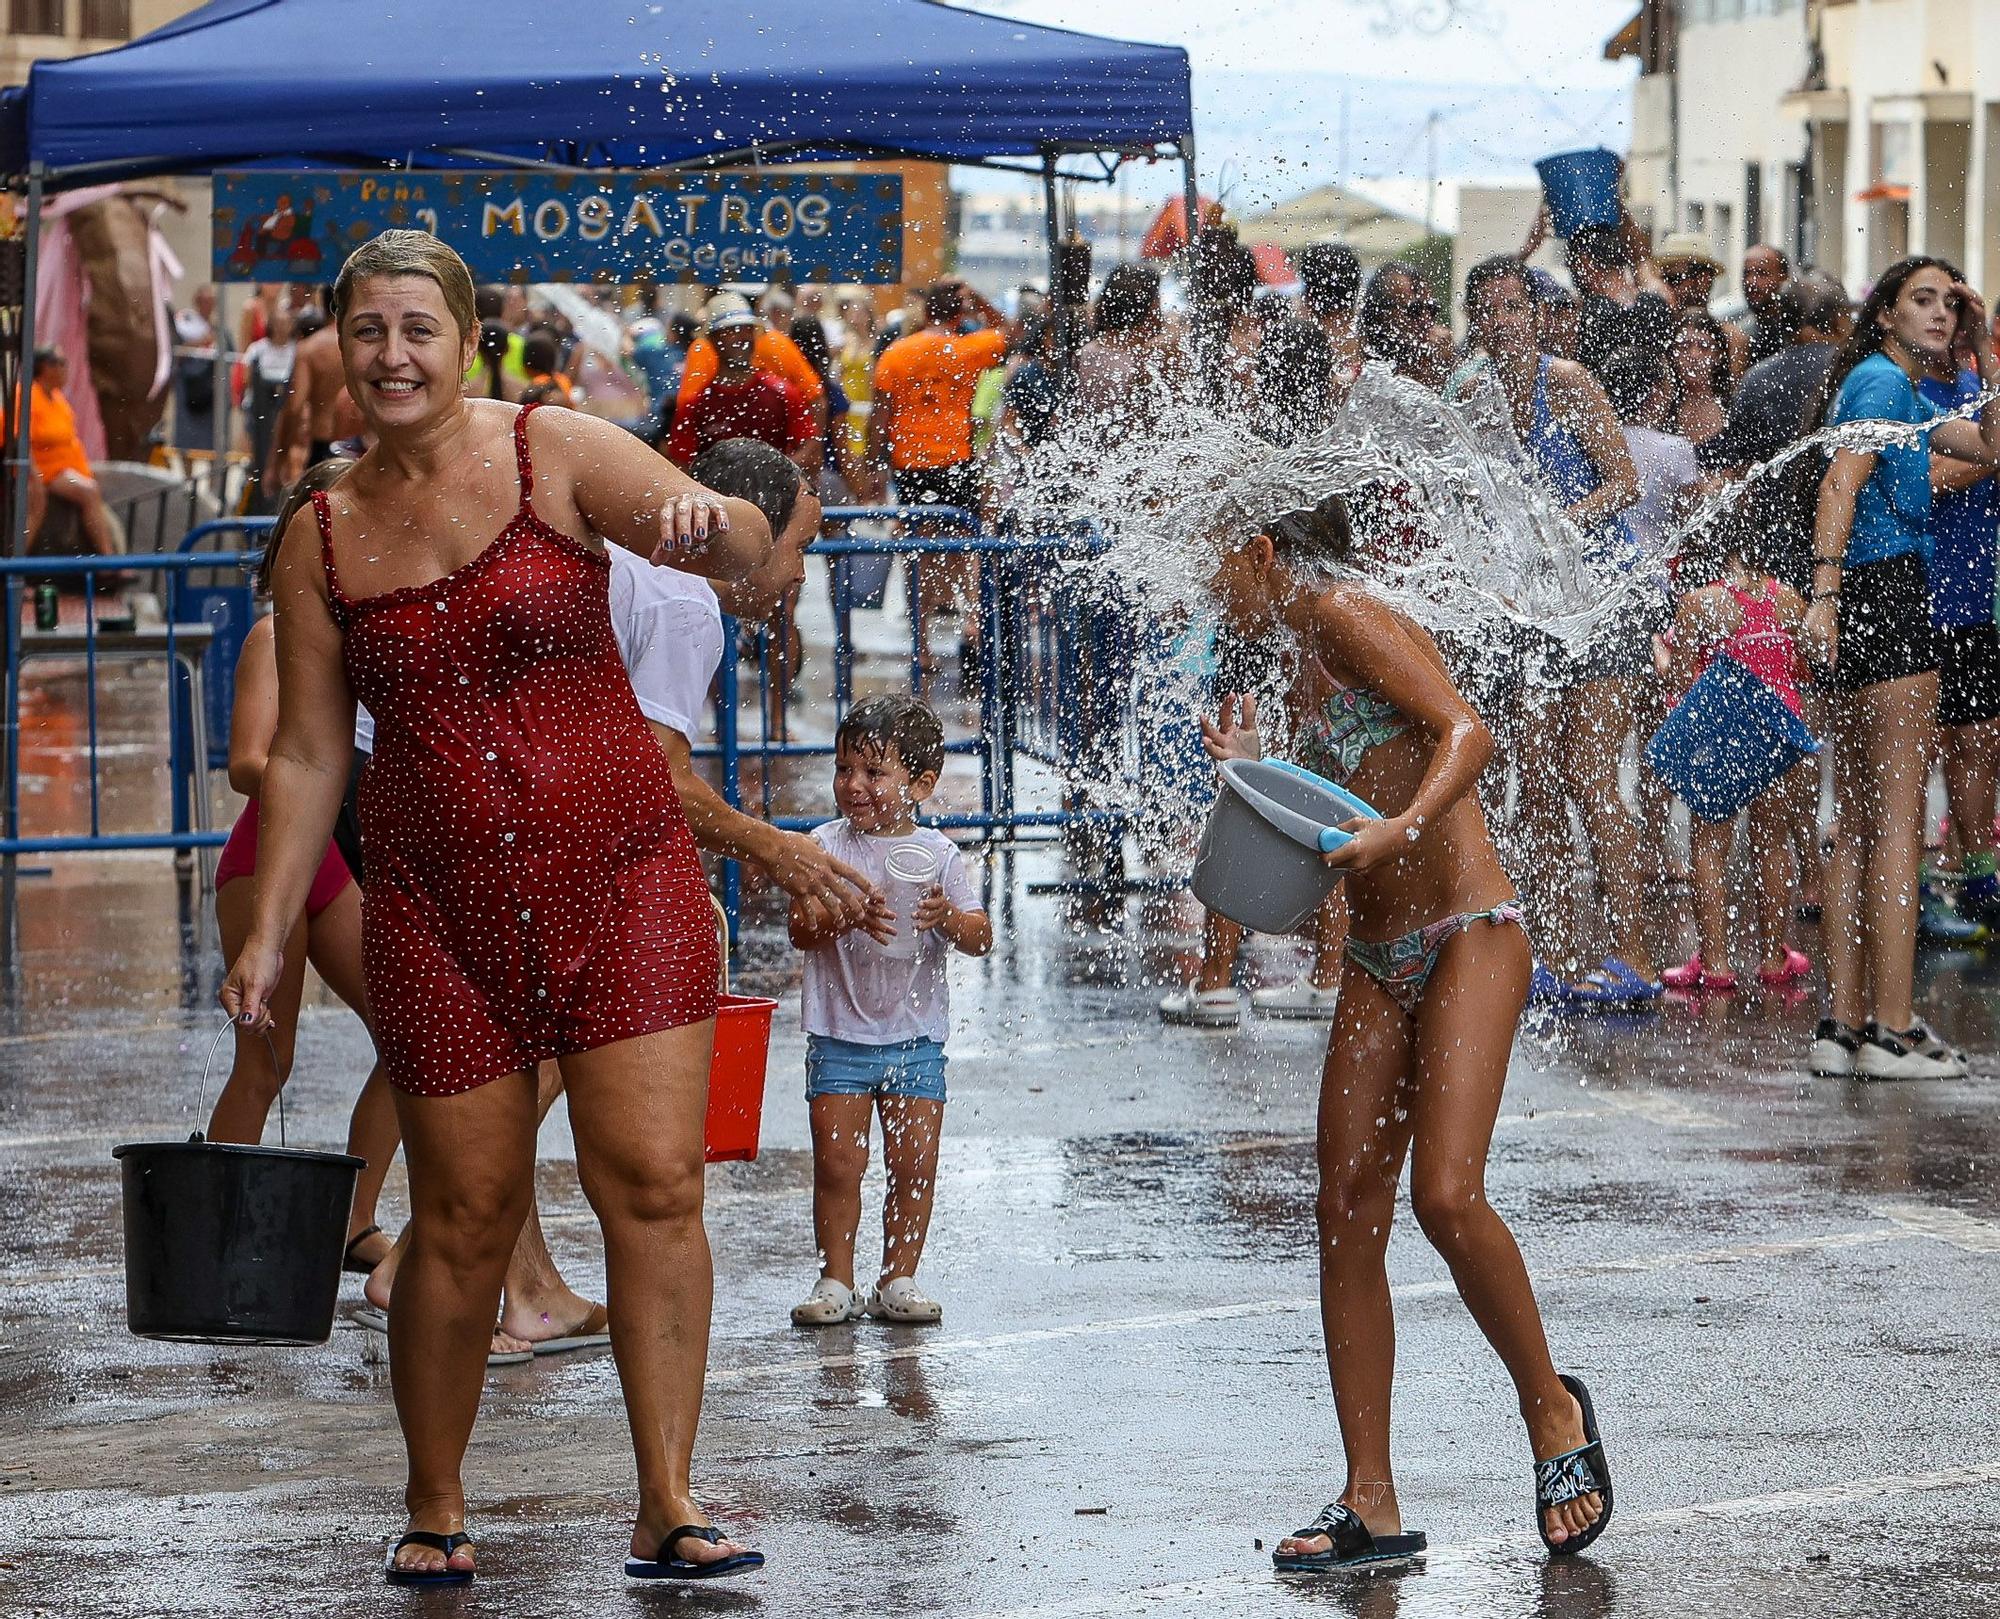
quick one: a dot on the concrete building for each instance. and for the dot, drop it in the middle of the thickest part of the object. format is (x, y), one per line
(1716, 147)
(38, 30)
(1850, 132)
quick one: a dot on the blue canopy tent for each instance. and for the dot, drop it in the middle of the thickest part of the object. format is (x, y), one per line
(597, 84)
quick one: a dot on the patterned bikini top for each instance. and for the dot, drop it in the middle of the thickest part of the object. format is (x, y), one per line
(1333, 741)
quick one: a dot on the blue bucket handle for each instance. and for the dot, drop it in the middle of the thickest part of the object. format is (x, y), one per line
(1330, 837)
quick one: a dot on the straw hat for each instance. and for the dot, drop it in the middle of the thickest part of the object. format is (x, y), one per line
(727, 309)
(1685, 247)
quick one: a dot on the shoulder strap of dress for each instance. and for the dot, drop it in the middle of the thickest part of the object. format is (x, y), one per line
(323, 515)
(523, 462)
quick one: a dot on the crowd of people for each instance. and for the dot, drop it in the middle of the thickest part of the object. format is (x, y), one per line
(496, 626)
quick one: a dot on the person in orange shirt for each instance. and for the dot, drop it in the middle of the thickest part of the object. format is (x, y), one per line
(58, 455)
(774, 353)
(920, 422)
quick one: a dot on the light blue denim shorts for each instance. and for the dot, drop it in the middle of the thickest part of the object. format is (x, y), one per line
(913, 1068)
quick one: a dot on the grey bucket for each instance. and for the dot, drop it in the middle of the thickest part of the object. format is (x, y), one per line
(1259, 861)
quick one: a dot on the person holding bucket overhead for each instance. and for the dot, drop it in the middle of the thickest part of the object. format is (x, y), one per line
(1437, 973)
(531, 888)
(1869, 627)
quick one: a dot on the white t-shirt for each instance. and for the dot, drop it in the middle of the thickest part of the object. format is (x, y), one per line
(669, 629)
(854, 989)
(272, 361)
(1666, 465)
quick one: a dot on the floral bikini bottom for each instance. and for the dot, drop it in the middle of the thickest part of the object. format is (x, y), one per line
(1403, 966)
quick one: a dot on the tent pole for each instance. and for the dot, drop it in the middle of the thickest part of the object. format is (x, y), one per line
(18, 461)
(1058, 311)
(1190, 197)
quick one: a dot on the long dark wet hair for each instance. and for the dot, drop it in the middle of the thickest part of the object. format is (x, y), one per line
(1867, 336)
(1323, 532)
(322, 475)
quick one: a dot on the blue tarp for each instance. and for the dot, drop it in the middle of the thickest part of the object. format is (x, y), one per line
(590, 83)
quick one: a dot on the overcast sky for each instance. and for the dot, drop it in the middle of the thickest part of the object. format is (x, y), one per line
(1290, 94)
(1552, 42)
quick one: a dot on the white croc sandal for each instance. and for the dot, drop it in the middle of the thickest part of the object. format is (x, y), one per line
(829, 1304)
(898, 1300)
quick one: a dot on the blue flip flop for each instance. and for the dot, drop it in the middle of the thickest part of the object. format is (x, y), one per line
(428, 1576)
(1637, 988)
(1353, 1546)
(663, 1565)
(1544, 988)
(1599, 991)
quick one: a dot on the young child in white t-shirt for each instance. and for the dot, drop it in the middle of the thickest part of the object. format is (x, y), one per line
(877, 1010)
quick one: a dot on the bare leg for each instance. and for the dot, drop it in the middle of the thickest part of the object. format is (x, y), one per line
(1971, 773)
(1711, 843)
(1220, 940)
(1364, 1131)
(472, 1161)
(537, 1304)
(1840, 915)
(83, 494)
(1626, 860)
(637, 1110)
(1897, 726)
(244, 1106)
(1771, 819)
(333, 944)
(910, 1131)
(1329, 936)
(1464, 1030)
(840, 1158)
(1546, 845)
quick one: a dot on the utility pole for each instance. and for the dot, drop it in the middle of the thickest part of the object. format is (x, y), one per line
(1431, 123)
(1343, 134)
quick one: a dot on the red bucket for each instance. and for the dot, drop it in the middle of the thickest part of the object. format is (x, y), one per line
(736, 1077)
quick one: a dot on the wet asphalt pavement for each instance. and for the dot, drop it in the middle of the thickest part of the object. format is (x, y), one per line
(1782, 1294)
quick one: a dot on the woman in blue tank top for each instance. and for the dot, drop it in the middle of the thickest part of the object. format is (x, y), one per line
(1579, 711)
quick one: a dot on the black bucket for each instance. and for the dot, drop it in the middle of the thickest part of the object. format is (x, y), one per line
(234, 1244)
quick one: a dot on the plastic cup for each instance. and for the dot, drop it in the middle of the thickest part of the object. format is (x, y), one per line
(912, 871)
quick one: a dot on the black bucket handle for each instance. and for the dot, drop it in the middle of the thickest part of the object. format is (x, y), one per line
(201, 1096)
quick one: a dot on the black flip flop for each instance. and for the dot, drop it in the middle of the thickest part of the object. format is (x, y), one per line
(428, 1576)
(347, 1260)
(1353, 1546)
(1577, 1472)
(663, 1565)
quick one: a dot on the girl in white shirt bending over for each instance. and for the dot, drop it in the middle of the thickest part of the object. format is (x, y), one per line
(876, 1007)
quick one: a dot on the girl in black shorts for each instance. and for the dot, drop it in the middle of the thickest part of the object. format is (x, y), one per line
(1870, 628)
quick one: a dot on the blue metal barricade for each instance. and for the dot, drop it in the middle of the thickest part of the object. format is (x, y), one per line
(1053, 663)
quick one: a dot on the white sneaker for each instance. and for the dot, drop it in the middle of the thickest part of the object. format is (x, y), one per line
(1204, 1009)
(1834, 1049)
(1932, 1044)
(828, 1305)
(1303, 999)
(1887, 1054)
(898, 1300)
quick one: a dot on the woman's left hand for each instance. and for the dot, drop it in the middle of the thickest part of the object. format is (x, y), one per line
(1371, 843)
(684, 525)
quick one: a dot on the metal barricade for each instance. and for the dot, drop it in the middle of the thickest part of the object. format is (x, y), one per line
(1055, 663)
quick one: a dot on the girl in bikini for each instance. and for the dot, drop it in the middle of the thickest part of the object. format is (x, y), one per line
(1436, 974)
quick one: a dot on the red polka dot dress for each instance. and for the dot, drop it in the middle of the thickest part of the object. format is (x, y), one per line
(532, 888)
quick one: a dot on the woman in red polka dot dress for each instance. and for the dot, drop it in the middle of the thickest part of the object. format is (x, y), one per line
(532, 890)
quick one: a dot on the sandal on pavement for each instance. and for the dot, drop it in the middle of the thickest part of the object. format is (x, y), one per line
(1598, 991)
(1582, 1471)
(898, 1300)
(1637, 987)
(664, 1566)
(428, 1576)
(592, 1332)
(347, 1260)
(1797, 965)
(376, 1319)
(829, 1304)
(1353, 1546)
(1202, 1008)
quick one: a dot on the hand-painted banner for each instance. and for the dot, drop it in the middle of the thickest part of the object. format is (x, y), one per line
(530, 225)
